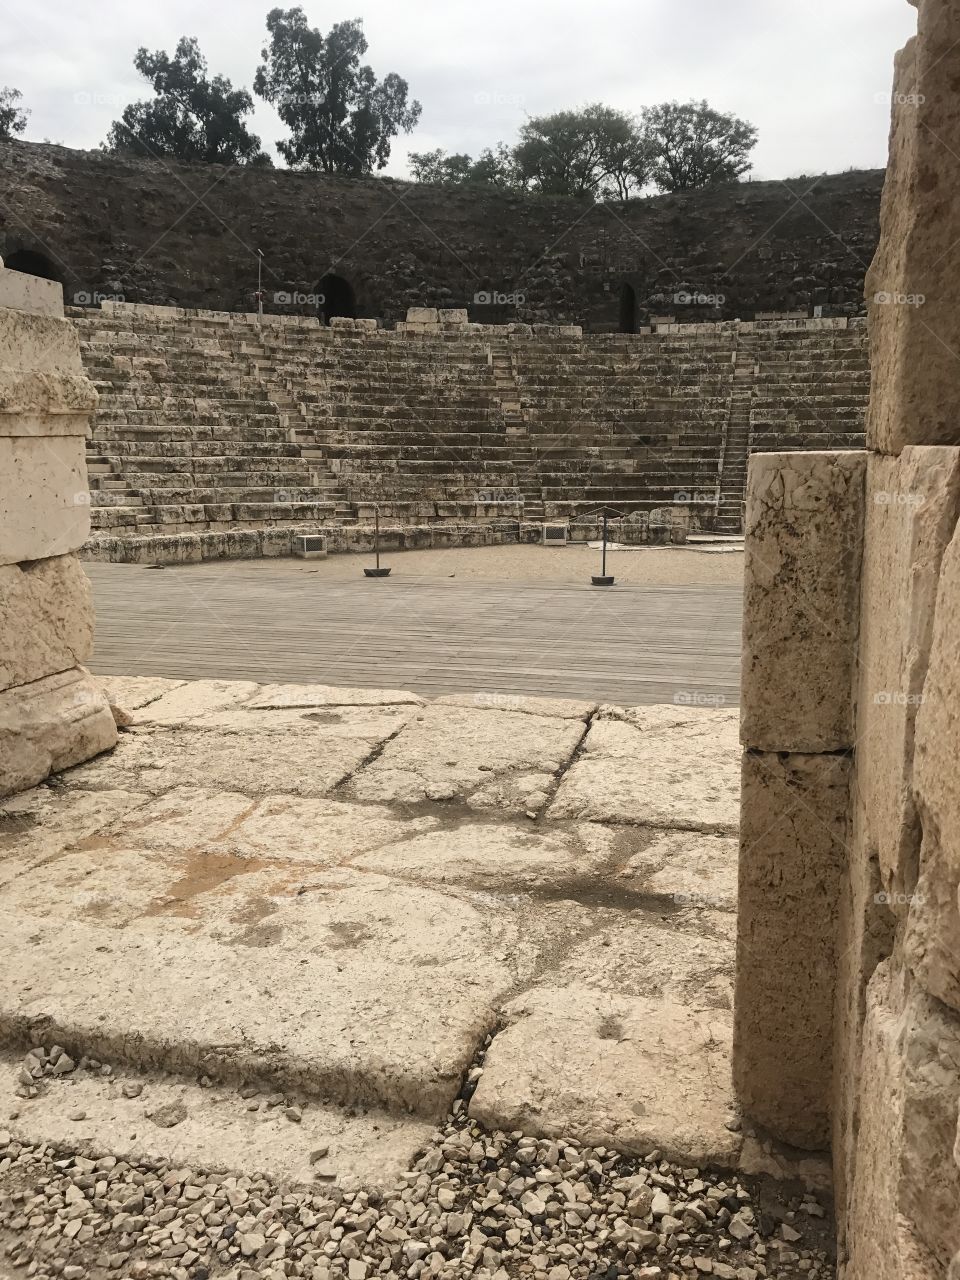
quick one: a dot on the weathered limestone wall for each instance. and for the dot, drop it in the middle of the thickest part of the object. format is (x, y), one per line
(848, 991)
(52, 714)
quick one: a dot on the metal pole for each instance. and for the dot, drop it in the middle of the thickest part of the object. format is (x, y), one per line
(376, 533)
(603, 568)
(259, 282)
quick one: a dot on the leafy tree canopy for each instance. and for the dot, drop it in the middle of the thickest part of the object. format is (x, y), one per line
(594, 151)
(340, 116)
(192, 117)
(692, 145)
(13, 118)
(492, 168)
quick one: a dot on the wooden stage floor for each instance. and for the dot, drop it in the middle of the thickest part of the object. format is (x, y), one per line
(285, 621)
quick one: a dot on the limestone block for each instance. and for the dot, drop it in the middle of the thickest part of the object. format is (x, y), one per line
(914, 323)
(801, 600)
(933, 926)
(51, 724)
(423, 315)
(792, 853)
(44, 499)
(903, 1219)
(46, 619)
(45, 343)
(911, 513)
(30, 294)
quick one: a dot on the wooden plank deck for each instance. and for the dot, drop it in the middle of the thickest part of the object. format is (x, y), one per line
(627, 644)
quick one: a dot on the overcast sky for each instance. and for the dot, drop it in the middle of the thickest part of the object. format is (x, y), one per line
(813, 75)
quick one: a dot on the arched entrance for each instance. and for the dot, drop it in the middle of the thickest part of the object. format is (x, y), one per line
(628, 308)
(337, 298)
(32, 263)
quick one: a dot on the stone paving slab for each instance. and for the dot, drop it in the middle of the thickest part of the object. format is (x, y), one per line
(218, 1131)
(658, 767)
(348, 985)
(565, 708)
(134, 692)
(486, 759)
(346, 892)
(635, 1073)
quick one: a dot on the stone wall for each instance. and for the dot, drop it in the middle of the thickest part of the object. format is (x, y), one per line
(848, 987)
(52, 714)
(158, 232)
(236, 432)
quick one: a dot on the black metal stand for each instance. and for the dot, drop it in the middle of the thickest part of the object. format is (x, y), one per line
(377, 572)
(603, 579)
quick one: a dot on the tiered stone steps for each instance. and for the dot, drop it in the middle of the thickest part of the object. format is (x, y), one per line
(213, 423)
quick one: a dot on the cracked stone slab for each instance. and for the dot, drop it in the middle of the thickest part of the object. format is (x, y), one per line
(688, 868)
(659, 767)
(634, 1073)
(316, 833)
(501, 857)
(564, 708)
(347, 985)
(41, 823)
(309, 760)
(335, 722)
(219, 1131)
(485, 759)
(134, 692)
(275, 696)
(195, 698)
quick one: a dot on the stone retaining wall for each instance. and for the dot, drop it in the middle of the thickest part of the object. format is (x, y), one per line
(848, 995)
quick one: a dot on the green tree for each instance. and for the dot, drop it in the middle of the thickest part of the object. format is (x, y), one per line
(13, 118)
(692, 145)
(492, 168)
(192, 117)
(341, 118)
(594, 151)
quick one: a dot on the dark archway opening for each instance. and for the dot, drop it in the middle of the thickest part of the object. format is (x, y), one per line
(628, 308)
(336, 298)
(32, 263)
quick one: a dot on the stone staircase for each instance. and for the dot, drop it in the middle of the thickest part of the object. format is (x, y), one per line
(219, 424)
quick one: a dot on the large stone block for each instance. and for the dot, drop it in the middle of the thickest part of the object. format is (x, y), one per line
(30, 294)
(914, 320)
(911, 514)
(903, 1222)
(44, 498)
(792, 854)
(933, 925)
(51, 724)
(801, 600)
(46, 619)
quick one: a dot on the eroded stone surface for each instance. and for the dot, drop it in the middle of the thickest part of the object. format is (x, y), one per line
(562, 1066)
(661, 767)
(325, 695)
(193, 699)
(689, 869)
(565, 708)
(46, 619)
(803, 540)
(793, 849)
(49, 725)
(134, 692)
(487, 759)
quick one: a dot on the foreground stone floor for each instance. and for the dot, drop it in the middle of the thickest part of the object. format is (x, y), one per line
(280, 926)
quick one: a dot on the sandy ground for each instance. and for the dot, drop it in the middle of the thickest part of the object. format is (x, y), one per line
(642, 566)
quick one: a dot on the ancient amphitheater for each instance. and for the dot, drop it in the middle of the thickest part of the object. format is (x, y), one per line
(499, 943)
